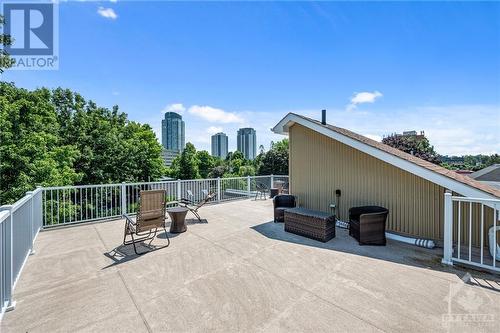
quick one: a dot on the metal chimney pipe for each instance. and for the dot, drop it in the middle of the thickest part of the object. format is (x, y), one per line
(323, 117)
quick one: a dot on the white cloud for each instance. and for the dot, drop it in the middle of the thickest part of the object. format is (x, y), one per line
(176, 107)
(214, 129)
(113, 1)
(214, 115)
(108, 13)
(363, 97)
(373, 137)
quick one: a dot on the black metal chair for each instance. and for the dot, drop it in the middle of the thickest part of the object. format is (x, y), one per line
(281, 203)
(193, 206)
(261, 191)
(367, 224)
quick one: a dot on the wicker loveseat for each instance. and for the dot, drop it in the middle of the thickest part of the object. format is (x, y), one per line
(367, 224)
(281, 203)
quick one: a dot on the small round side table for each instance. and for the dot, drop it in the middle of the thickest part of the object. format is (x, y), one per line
(178, 217)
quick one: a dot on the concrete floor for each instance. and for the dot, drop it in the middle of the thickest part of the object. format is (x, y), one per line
(242, 272)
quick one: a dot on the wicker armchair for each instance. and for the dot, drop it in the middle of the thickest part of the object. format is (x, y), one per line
(281, 203)
(367, 224)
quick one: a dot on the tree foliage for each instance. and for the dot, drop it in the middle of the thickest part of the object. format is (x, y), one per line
(5, 40)
(275, 160)
(419, 147)
(470, 162)
(205, 163)
(53, 138)
(188, 164)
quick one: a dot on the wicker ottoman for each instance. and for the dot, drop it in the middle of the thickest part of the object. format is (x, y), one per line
(310, 223)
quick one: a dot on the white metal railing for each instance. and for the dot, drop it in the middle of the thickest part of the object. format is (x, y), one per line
(63, 205)
(19, 226)
(471, 226)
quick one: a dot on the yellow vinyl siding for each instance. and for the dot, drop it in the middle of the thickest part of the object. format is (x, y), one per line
(319, 165)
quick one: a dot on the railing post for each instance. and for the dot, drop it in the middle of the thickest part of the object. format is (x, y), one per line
(179, 194)
(448, 229)
(248, 185)
(9, 265)
(30, 193)
(123, 201)
(218, 188)
(272, 181)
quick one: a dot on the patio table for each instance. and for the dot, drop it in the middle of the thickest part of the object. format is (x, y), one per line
(178, 217)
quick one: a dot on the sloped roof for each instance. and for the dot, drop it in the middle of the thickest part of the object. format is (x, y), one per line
(491, 173)
(476, 188)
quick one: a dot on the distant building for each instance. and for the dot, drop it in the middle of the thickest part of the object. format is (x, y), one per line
(173, 137)
(219, 145)
(172, 132)
(169, 156)
(247, 142)
(414, 134)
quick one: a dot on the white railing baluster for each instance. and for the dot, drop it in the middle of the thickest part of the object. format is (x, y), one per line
(51, 208)
(459, 228)
(470, 231)
(448, 229)
(495, 242)
(482, 232)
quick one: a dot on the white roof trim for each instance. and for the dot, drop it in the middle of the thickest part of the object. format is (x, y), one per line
(446, 182)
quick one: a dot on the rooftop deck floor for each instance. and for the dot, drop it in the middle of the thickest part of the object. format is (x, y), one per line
(241, 272)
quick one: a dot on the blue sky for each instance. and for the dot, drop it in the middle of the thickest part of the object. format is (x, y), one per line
(377, 67)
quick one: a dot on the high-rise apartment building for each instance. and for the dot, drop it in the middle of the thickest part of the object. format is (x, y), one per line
(172, 132)
(247, 142)
(173, 137)
(219, 145)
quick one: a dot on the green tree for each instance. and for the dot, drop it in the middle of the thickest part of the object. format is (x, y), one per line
(205, 163)
(188, 164)
(31, 151)
(5, 40)
(274, 161)
(419, 147)
(246, 170)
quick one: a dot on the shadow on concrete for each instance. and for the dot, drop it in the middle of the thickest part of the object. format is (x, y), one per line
(125, 253)
(394, 251)
(196, 221)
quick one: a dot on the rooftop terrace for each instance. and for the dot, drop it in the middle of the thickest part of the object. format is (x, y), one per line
(242, 272)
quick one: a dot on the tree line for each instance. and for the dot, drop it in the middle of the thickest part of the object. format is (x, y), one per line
(56, 137)
(421, 147)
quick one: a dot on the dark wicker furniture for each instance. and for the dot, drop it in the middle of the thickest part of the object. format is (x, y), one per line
(367, 224)
(309, 223)
(281, 203)
(274, 192)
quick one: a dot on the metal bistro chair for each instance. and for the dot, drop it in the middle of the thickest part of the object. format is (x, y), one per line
(192, 205)
(261, 191)
(150, 217)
